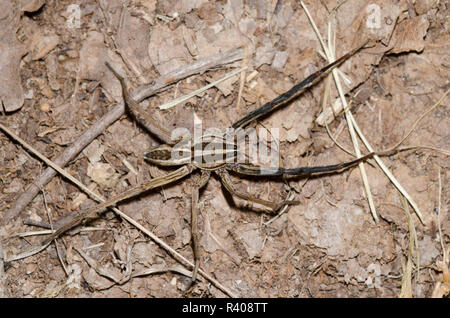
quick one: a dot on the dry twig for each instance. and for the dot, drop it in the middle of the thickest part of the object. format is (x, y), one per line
(329, 53)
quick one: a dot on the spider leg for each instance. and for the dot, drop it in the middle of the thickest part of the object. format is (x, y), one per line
(251, 170)
(95, 211)
(148, 122)
(229, 185)
(200, 183)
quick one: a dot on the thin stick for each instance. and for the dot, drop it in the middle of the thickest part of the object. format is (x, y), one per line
(90, 247)
(34, 233)
(183, 98)
(362, 168)
(52, 229)
(330, 57)
(96, 129)
(68, 154)
(394, 149)
(171, 251)
(417, 121)
(46, 232)
(439, 213)
(406, 290)
(388, 173)
(418, 147)
(197, 67)
(327, 96)
(242, 79)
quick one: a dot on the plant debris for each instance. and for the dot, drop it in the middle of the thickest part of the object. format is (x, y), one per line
(54, 85)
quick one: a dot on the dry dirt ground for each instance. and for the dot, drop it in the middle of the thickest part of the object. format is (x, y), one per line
(54, 86)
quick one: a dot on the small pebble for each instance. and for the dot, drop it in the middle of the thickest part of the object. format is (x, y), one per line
(280, 59)
(45, 107)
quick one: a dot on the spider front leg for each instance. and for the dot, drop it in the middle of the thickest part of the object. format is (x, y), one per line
(229, 185)
(147, 121)
(200, 183)
(95, 211)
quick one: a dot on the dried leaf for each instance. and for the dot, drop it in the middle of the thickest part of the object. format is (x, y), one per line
(32, 5)
(409, 35)
(103, 174)
(11, 51)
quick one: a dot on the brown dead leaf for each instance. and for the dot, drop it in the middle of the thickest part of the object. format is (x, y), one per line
(132, 39)
(251, 238)
(377, 21)
(11, 51)
(94, 151)
(280, 59)
(96, 281)
(167, 49)
(42, 44)
(264, 53)
(32, 5)
(423, 6)
(93, 56)
(103, 174)
(409, 35)
(208, 11)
